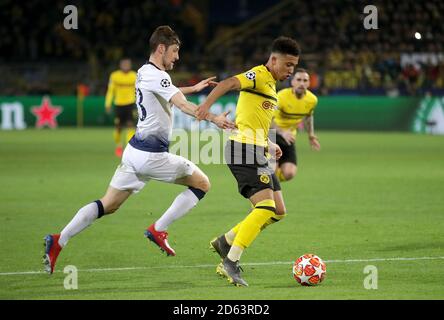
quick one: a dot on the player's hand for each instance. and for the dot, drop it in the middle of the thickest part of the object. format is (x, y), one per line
(204, 83)
(202, 112)
(314, 142)
(223, 122)
(274, 150)
(288, 136)
(108, 110)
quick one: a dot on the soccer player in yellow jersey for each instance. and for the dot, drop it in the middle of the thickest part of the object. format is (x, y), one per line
(295, 104)
(121, 92)
(246, 150)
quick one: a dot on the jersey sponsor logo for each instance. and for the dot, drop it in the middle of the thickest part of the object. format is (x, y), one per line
(267, 105)
(250, 75)
(165, 83)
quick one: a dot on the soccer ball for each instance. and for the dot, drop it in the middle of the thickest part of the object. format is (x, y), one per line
(309, 270)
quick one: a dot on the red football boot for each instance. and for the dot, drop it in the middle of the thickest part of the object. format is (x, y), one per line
(160, 238)
(52, 250)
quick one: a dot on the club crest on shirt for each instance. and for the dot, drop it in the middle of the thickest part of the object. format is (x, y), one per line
(265, 178)
(251, 75)
(165, 83)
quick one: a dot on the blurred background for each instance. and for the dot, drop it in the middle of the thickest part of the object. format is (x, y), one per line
(224, 37)
(404, 57)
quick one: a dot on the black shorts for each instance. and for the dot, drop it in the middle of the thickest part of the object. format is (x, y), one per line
(124, 114)
(250, 167)
(288, 151)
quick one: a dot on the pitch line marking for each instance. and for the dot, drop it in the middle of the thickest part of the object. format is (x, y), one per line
(212, 265)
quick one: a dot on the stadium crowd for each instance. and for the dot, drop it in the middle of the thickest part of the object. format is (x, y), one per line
(342, 56)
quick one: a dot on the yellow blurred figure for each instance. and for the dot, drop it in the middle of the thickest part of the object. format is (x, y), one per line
(121, 91)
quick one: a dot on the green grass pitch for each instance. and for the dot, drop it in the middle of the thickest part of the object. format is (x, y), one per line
(365, 199)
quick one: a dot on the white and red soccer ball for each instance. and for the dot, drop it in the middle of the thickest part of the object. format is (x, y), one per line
(309, 270)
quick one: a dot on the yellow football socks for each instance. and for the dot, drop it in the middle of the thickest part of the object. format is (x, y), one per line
(273, 219)
(250, 227)
(129, 134)
(117, 137)
(280, 175)
(230, 235)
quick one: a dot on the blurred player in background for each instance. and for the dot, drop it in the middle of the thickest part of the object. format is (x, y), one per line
(121, 92)
(245, 151)
(146, 156)
(295, 104)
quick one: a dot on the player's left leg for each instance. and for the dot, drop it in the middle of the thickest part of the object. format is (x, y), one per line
(117, 133)
(130, 130)
(223, 243)
(281, 211)
(248, 230)
(287, 164)
(129, 122)
(86, 215)
(286, 171)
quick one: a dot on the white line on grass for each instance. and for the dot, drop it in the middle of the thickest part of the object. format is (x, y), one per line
(212, 265)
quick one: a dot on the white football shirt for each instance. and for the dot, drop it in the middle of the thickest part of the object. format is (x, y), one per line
(154, 90)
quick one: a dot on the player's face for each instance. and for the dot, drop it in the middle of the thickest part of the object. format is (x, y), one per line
(170, 56)
(284, 66)
(125, 65)
(300, 82)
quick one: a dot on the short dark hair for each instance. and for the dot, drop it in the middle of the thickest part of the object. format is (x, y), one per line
(286, 45)
(301, 70)
(163, 35)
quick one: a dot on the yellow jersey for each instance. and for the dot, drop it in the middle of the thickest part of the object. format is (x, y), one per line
(121, 88)
(291, 110)
(255, 106)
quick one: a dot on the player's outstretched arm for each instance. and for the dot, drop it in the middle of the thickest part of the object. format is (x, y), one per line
(274, 149)
(190, 108)
(223, 87)
(312, 138)
(199, 86)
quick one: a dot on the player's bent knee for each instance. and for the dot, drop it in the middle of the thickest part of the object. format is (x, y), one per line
(204, 184)
(281, 210)
(289, 174)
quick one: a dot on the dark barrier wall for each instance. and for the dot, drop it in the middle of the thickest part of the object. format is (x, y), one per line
(338, 113)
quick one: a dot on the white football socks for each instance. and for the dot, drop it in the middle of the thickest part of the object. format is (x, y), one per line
(183, 203)
(235, 253)
(84, 217)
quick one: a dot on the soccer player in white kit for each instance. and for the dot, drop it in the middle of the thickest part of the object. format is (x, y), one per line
(146, 156)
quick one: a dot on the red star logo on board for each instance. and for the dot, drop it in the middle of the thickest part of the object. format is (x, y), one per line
(46, 113)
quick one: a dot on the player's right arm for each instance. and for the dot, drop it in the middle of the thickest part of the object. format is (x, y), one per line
(180, 101)
(286, 134)
(109, 94)
(223, 87)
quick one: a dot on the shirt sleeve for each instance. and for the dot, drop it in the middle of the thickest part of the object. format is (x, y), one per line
(161, 85)
(247, 79)
(314, 104)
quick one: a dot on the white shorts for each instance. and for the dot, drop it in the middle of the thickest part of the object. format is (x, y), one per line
(138, 167)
